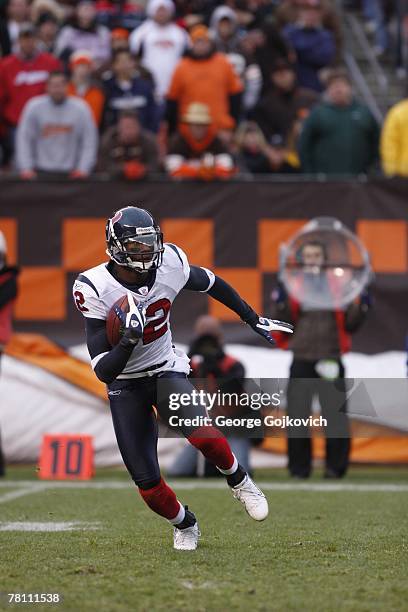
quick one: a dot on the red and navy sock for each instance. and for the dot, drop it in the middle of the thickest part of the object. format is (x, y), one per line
(162, 500)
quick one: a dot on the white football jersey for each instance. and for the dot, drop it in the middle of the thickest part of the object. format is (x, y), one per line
(96, 291)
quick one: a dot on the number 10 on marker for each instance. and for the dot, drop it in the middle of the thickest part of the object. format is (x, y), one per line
(66, 457)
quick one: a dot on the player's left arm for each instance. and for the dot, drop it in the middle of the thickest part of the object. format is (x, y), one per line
(205, 281)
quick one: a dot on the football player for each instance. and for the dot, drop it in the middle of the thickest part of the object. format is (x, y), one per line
(144, 368)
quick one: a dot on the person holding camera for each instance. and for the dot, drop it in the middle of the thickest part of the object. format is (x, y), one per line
(320, 338)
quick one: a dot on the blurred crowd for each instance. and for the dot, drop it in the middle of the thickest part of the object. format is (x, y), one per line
(196, 89)
(386, 23)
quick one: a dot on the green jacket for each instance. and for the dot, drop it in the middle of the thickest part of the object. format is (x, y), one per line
(339, 140)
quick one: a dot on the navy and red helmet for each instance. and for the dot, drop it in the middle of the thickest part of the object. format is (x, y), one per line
(134, 240)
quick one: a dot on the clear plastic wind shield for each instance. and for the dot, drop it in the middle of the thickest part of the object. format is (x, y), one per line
(324, 266)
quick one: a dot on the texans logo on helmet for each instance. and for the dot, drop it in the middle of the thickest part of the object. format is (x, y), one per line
(116, 217)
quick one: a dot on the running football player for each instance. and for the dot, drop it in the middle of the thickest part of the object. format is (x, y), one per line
(144, 368)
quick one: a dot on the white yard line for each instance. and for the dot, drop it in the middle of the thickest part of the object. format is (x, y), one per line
(48, 526)
(26, 487)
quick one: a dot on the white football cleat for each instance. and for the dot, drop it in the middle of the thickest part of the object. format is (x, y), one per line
(186, 539)
(252, 498)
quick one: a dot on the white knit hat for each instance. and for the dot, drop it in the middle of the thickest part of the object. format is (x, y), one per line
(223, 12)
(153, 5)
(3, 245)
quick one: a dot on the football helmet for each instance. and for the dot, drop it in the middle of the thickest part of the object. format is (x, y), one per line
(134, 239)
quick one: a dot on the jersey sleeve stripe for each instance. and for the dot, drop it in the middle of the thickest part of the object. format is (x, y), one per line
(83, 279)
(211, 279)
(96, 359)
(175, 249)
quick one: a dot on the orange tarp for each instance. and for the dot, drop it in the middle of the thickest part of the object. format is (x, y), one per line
(41, 352)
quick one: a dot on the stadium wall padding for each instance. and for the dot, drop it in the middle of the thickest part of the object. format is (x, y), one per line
(56, 229)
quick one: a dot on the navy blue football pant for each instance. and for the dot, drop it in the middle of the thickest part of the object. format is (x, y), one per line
(136, 428)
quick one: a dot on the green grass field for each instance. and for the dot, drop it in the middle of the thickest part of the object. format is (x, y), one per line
(319, 550)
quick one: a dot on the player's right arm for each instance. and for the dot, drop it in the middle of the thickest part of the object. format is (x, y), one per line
(107, 362)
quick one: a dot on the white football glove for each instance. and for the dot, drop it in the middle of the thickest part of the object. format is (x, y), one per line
(264, 327)
(133, 321)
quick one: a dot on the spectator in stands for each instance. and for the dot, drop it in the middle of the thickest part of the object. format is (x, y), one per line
(23, 75)
(18, 14)
(127, 150)
(120, 43)
(192, 12)
(394, 141)
(314, 45)
(250, 148)
(47, 30)
(84, 34)
(205, 76)
(374, 15)
(126, 90)
(340, 136)
(196, 151)
(123, 13)
(8, 294)
(81, 84)
(160, 43)
(47, 8)
(265, 45)
(257, 156)
(288, 12)
(283, 102)
(224, 30)
(229, 40)
(119, 40)
(56, 133)
(400, 36)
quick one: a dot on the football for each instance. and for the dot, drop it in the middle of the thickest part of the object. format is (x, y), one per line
(114, 327)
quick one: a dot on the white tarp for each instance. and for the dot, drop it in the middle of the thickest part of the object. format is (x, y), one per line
(34, 402)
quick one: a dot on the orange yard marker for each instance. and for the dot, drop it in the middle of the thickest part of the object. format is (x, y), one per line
(66, 457)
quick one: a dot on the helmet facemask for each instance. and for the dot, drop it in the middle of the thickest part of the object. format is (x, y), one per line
(139, 249)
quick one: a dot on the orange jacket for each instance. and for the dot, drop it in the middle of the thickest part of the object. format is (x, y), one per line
(210, 81)
(94, 97)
